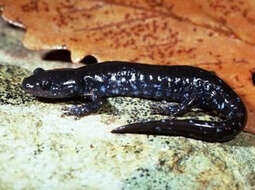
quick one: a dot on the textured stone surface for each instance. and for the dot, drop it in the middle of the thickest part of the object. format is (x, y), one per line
(39, 149)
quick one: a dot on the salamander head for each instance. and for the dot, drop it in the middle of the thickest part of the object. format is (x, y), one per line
(59, 83)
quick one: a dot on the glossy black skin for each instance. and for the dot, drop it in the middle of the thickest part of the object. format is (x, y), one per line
(187, 85)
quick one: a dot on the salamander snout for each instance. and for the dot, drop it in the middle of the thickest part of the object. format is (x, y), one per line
(28, 85)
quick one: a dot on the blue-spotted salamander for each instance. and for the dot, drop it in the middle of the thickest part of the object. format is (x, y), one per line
(187, 85)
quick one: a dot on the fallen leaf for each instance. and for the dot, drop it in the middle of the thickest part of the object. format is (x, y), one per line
(212, 34)
(235, 18)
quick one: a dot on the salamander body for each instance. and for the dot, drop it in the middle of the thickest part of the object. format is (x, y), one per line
(188, 86)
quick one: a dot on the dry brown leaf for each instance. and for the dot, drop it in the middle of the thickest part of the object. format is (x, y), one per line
(213, 34)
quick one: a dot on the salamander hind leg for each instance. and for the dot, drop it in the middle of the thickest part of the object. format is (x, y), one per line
(173, 109)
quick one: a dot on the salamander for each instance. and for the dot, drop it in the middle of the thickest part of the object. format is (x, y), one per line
(188, 86)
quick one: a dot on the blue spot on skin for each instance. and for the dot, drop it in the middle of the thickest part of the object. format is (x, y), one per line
(171, 123)
(102, 89)
(158, 93)
(142, 85)
(146, 92)
(156, 85)
(136, 93)
(218, 130)
(115, 91)
(134, 87)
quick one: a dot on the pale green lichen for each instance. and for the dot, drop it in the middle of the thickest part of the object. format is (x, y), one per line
(10, 85)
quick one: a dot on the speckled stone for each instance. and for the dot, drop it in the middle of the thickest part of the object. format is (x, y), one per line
(40, 149)
(10, 89)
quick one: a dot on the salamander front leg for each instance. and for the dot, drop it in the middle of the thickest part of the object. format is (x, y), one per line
(84, 109)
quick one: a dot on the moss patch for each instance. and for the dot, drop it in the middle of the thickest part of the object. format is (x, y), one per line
(10, 85)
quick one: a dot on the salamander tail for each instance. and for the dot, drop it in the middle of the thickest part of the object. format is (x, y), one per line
(202, 130)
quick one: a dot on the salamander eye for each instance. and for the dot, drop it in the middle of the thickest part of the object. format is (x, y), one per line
(38, 70)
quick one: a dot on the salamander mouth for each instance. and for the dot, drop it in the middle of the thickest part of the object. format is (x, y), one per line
(26, 85)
